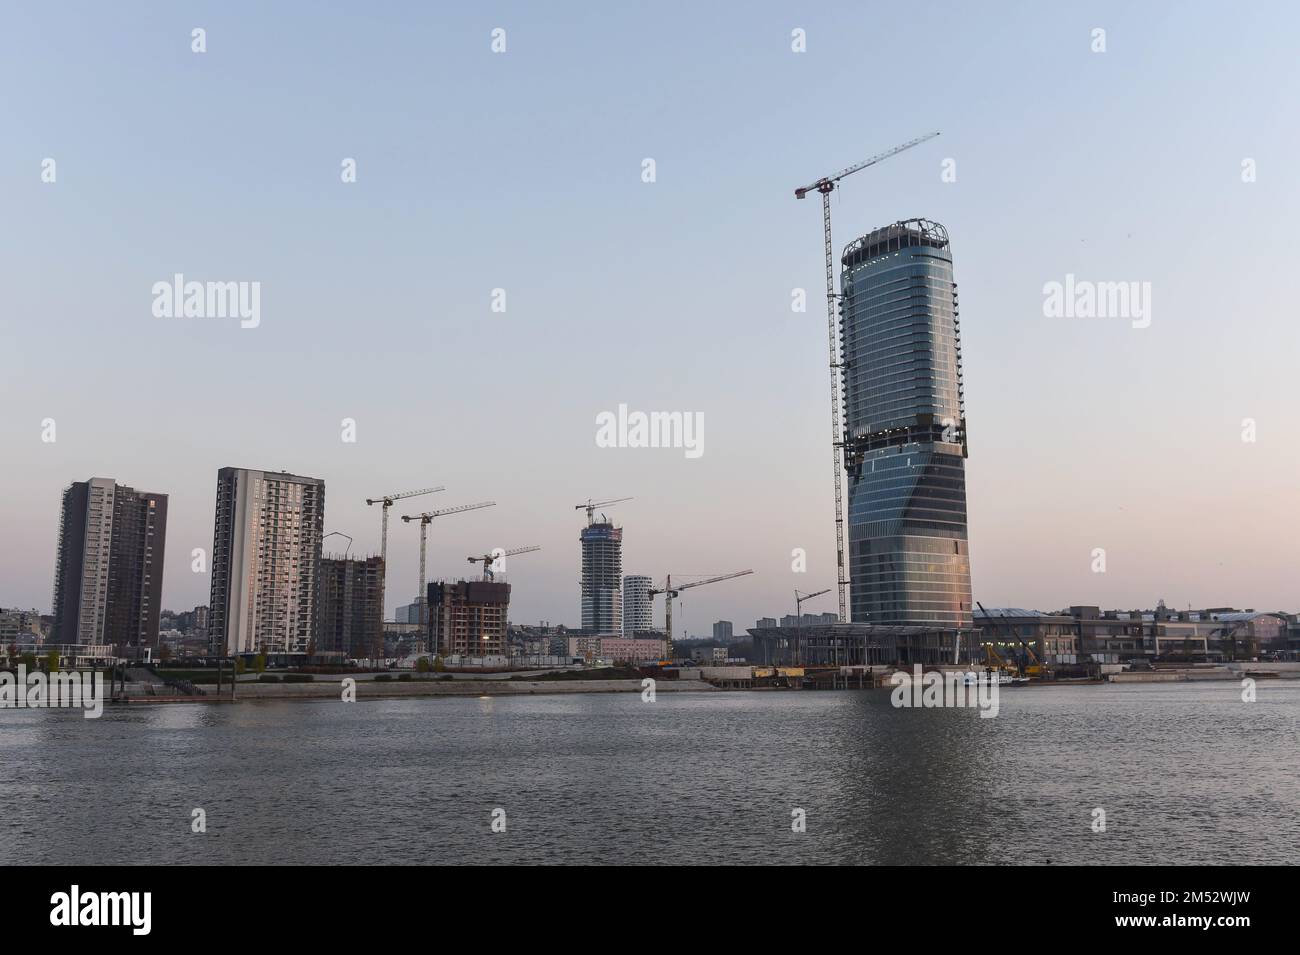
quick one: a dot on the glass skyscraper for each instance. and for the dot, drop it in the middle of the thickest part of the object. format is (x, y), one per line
(904, 428)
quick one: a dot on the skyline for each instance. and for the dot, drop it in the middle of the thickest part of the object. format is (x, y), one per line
(672, 296)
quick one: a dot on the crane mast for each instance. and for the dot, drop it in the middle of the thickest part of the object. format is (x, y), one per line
(670, 592)
(387, 501)
(425, 520)
(798, 621)
(825, 186)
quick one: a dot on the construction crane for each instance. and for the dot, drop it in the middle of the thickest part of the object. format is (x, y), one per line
(590, 507)
(490, 559)
(798, 621)
(425, 520)
(825, 186)
(672, 592)
(387, 501)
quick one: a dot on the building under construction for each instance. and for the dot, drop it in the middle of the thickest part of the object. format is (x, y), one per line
(602, 578)
(905, 429)
(468, 617)
(350, 618)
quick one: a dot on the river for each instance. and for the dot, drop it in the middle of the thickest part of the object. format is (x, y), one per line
(1185, 774)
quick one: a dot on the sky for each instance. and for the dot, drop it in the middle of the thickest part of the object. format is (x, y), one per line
(523, 171)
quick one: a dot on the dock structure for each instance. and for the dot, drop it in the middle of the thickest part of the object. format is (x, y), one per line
(860, 644)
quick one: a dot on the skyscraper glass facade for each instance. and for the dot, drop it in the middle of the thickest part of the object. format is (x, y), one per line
(904, 428)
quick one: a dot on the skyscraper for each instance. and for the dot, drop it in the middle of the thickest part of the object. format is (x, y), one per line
(638, 614)
(109, 569)
(265, 559)
(602, 572)
(905, 428)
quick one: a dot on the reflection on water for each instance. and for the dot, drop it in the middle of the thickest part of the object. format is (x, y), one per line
(1186, 773)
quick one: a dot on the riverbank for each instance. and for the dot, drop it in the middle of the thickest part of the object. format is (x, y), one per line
(386, 690)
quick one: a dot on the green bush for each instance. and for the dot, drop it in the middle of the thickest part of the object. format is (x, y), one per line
(404, 676)
(268, 678)
(382, 676)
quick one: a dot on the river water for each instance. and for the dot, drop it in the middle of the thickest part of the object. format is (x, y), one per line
(1185, 773)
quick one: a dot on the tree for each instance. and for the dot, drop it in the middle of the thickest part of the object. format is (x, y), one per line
(28, 660)
(259, 662)
(438, 665)
(239, 664)
(13, 652)
(422, 665)
(52, 662)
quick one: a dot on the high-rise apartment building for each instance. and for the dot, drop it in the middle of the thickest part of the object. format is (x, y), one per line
(602, 577)
(723, 630)
(109, 568)
(638, 609)
(265, 557)
(350, 619)
(469, 617)
(904, 428)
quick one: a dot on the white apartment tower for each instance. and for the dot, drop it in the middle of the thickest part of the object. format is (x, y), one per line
(637, 613)
(265, 560)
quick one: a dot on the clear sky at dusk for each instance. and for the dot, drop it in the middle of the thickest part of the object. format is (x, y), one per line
(523, 171)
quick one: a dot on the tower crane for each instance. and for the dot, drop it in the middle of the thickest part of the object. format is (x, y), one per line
(425, 520)
(387, 501)
(590, 507)
(798, 621)
(490, 559)
(825, 186)
(670, 591)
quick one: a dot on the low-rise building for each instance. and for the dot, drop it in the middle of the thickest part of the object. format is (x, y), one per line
(618, 649)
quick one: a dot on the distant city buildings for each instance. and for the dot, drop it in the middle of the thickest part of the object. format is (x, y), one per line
(638, 609)
(350, 618)
(1088, 635)
(905, 429)
(265, 557)
(602, 578)
(722, 630)
(22, 628)
(703, 653)
(109, 567)
(805, 620)
(408, 613)
(617, 649)
(469, 618)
